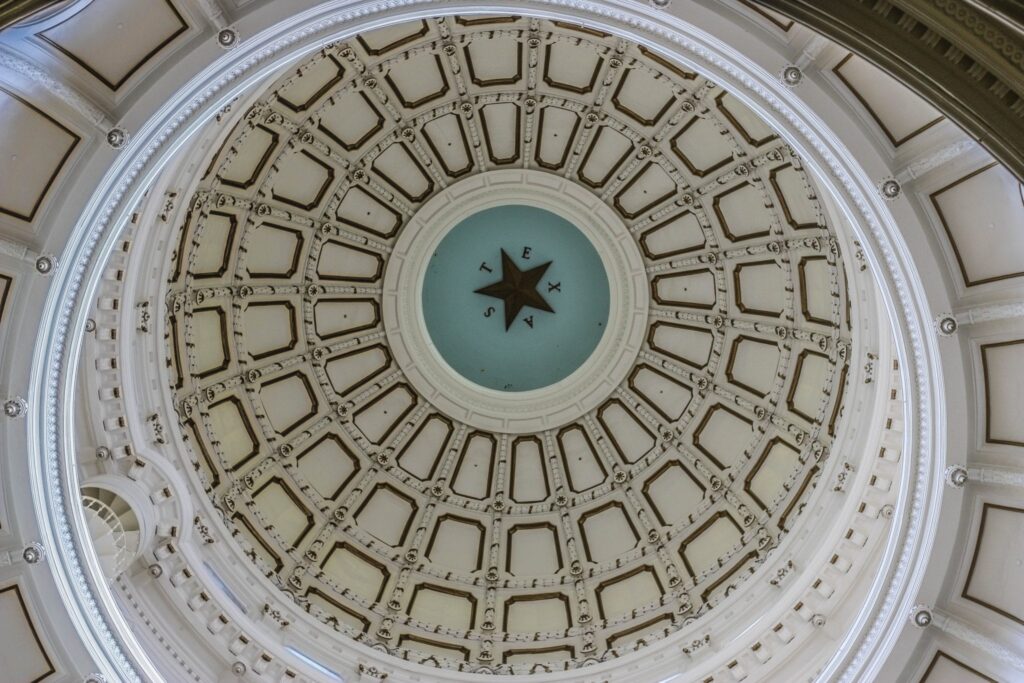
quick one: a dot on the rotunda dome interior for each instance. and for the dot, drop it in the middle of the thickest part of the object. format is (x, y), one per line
(399, 342)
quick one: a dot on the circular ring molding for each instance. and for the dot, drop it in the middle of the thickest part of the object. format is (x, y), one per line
(537, 409)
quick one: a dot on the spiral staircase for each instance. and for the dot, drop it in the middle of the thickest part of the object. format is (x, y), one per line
(113, 528)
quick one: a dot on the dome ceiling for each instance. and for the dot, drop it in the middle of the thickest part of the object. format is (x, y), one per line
(403, 525)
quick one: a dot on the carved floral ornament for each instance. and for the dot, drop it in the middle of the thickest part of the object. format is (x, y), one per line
(612, 14)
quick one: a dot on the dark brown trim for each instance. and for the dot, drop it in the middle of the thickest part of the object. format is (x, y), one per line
(594, 512)
(32, 627)
(509, 602)
(543, 468)
(8, 284)
(345, 451)
(565, 460)
(351, 278)
(760, 463)
(60, 165)
(416, 162)
(614, 167)
(225, 344)
(611, 434)
(671, 66)
(337, 605)
(795, 504)
(782, 199)
(535, 651)
(732, 362)
(566, 86)
(449, 425)
(295, 499)
(459, 520)
(487, 136)
(424, 28)
(704, 423)
(637, 176)
(666, 254)
(965, 593)
(838, 394)
(837, 70)
(715, 206)
(657, 475)
(228, 245)
(394, 425)
(727, 575)
(683, 304)
(642, 569)
(368, 326)
(652, 333)
(485, 82)
(738, 289)
(968, 282)
(292, 324)
(699, 172)
(246, 184)
(351, 146)
(645, 626)
(407, 637)
(744, 133)
(708, 523)
(632, 114)
(801, 267)
(234, 400)
(298, 108)
(397, 215)
(95, 74)
(462, 20)
(413, 509)
(358, 552)
(465, 595)
(487, 436)
(632, 385)
(540, 139)
(309, 206)
(365, 378)
(452, 172)
(239, 518)
(796, 382)
(534, 525)
(581, 28)
(300, 241)
(430, 97)
(179, 379)
(315, 403)
(935, 660)
(988, 398)
(784, 26)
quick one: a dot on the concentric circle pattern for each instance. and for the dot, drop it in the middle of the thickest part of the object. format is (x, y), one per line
(394, 522)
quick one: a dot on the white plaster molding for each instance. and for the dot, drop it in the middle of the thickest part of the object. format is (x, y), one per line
(979, 314)
(70, 97)
(962, 631)
(996, 476)
(943, 155)
(22, 252)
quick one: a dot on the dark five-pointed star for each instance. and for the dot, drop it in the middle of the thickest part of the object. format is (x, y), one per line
(517, 288)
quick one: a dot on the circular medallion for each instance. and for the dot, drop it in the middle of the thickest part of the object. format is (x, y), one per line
(515, 298)
(537, 242)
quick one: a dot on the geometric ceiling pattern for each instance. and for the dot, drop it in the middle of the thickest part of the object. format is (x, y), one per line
(397, 525)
